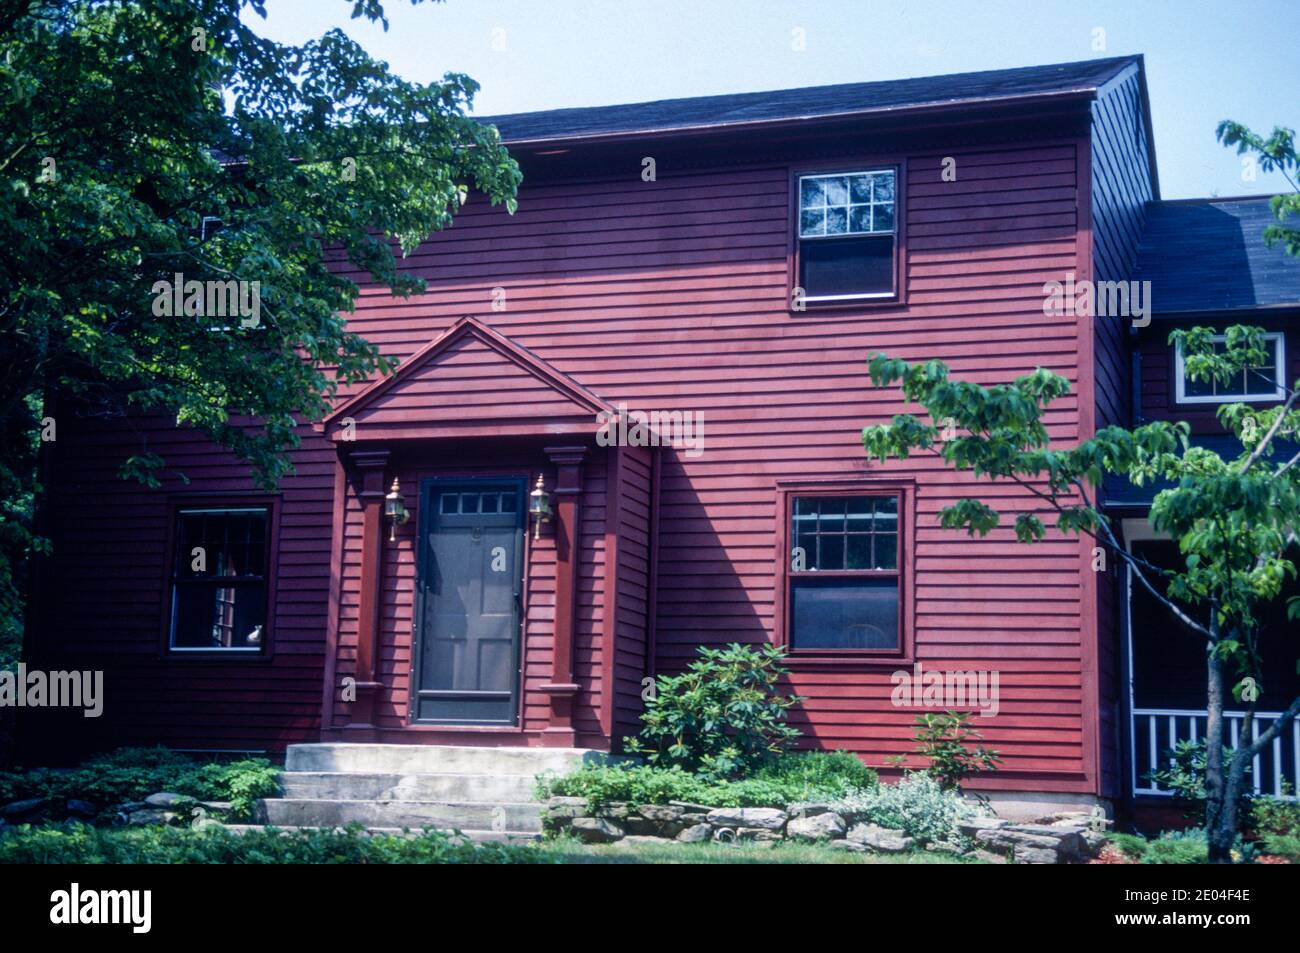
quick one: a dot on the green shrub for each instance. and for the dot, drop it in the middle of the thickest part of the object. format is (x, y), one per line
(722, 717)
(81, 844)
(918, 805)
(786, 780)
(942, 740)
(130, 774)
(1274, 815)
(1184, 775)
(1169, 847)
(1175, 847)
(1284, 845)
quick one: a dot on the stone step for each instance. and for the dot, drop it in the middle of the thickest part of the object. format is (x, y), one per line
(478, 837)
(442, 815)
(340, 757)
(348, 786)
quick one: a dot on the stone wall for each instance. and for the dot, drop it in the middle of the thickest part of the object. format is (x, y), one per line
(1068, 837)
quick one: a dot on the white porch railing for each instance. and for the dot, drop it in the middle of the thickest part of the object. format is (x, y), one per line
(1155, 731)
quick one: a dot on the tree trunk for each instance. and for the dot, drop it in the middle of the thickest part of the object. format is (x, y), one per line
(1220, 802)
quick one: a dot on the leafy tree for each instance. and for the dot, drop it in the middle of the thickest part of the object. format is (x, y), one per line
(126, 124)
(1234, 519)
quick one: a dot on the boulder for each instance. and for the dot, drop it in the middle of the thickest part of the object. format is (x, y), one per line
(166, 799)
(80, 809)
(616, 809)
(696, 834)
(757, 834)
(567, 806)
(691, 808)
(645, 839)
(151, 815)
(764, 818)
(827, 826)
(1036, 843)
(1036, 855)
(972, 826)
(18, 812)
(661, 813)
(656, 820)
(596, 830)
(852, 846)
(883, 840)
(808, 810)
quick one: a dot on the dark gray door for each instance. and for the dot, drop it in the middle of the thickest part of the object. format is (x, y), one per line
(469, 565)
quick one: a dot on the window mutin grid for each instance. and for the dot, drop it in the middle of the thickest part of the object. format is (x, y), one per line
(1264, 382)
(844, 590)
(219, 601)
(836, 205)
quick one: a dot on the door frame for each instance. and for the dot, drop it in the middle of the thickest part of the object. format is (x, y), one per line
(428, 486)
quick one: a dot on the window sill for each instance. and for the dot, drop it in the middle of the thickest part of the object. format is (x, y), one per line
(845, 658)
(841, 304)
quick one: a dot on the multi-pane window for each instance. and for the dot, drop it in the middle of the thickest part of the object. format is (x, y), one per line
(846, 235)
(1262, 382)
(219, 577)
(491, 501)
(844, 573)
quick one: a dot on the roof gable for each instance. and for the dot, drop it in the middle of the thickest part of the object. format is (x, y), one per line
(469, 381)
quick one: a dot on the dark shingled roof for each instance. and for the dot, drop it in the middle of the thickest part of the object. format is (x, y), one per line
(1209, 255)
(810, 102)
(1118, 492)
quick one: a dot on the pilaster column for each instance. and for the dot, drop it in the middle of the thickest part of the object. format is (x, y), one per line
(568, 552)
(369, 465)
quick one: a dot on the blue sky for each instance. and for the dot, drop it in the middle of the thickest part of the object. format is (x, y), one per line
(1206, 61)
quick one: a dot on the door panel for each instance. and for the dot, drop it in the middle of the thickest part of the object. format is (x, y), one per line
(469, 566)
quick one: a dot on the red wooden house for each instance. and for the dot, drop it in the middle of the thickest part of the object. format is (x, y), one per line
(725, 263)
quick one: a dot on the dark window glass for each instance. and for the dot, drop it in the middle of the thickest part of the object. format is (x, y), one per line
(219, 579)
(843, 612)
(844, 580)
(846, 266)
(846, 234)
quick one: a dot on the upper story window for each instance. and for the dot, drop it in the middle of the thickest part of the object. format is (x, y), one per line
(1260, 383)
(844, 581)
(847, 236)
(219, 579)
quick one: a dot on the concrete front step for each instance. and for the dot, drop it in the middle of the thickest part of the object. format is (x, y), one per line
(478, 837)
(442, 815)
(432, 759)
(347, 786)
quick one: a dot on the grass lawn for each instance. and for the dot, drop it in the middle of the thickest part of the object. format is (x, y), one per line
(570, 851)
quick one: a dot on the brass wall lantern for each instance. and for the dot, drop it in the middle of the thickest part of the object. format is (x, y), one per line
(395, 510)
(539, 507)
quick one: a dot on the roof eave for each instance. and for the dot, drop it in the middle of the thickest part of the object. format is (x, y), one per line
(1028, 101)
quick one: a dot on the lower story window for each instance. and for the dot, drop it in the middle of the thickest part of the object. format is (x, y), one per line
(844, 573)
(219, 579)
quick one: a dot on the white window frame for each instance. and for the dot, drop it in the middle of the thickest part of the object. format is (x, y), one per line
(1279, 371)
(799, 236)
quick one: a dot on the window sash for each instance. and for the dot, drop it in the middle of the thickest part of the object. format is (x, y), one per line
(1217, 396)
(818, 208)
(812, 579)
(220, 587)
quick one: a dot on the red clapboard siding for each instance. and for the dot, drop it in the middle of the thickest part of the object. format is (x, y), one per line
(673, 295)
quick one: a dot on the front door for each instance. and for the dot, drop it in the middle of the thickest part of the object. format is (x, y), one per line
(470, 565)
